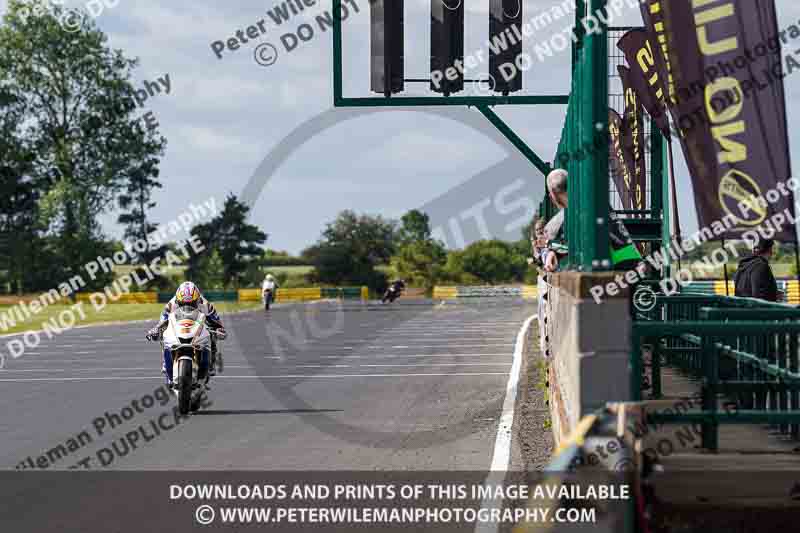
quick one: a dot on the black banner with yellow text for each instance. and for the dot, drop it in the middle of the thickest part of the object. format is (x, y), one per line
(644, 77)
(723, 68)
(620, 172)
(633, 138)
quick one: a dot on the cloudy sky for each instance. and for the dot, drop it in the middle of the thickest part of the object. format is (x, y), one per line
(224, 117)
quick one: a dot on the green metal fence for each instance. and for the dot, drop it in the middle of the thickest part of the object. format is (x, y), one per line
(745, 352)
(583, 152)
(585, 128)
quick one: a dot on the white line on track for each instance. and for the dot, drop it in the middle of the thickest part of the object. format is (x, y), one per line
(410, 356)
(461, 336)
(97, 369)
(450, 329)
(439, 364)
(39, 360)
(443, 345)
(323, 366)
(502, 444)
(277, 376)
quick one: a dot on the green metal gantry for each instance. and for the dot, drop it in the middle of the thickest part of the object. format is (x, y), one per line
(586, 126)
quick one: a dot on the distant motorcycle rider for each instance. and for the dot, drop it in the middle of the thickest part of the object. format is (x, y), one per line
(269, 285)
(188, 295)
(396, 288)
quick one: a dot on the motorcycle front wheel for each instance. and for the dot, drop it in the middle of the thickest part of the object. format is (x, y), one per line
(184, 387)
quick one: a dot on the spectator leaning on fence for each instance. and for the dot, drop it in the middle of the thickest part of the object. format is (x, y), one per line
(623, 252)
(753, 277)
(556, 249)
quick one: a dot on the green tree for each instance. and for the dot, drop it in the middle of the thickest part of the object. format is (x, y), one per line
(370, 238)
(18, 198)
(420, 263)
(229, 235)
(494, 262)
(78, 119)
(351, 247)
(137, 201)
(420, 258)
(209, 272)
(414, 227)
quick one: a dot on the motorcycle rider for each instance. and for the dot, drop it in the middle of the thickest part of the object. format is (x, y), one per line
(397, 286)
(269, 285)
(188, 295)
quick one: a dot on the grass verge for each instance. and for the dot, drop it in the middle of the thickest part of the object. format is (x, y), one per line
(110, 313)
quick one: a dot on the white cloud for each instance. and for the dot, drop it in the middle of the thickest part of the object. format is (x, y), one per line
(223, 116)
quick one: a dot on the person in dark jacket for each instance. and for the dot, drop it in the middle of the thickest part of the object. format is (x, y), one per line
(753, 277)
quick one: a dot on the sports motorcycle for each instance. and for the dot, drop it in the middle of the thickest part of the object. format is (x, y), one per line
(268, 297)
(188, 339)
(391, 294)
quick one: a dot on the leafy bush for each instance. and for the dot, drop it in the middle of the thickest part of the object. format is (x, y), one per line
(494, 262)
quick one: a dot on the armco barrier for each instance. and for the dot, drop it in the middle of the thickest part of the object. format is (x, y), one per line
(307, 293)
(284, 295)
(342, 292)
(792, 290)
(249, 295)
(717, 286)
(299, 295)
(445, 293)
(467, 291)
(213, 296)
(530, 291)
(703, 287)
(128, 298)
(478, 292)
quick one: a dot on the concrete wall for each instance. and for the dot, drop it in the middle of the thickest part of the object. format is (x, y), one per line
(588, 345)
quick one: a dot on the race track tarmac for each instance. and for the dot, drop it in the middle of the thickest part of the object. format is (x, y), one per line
(416, 385)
